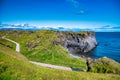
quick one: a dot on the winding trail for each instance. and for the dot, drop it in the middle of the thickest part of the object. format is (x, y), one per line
(51, 66)
(43, 64)
(17, 44)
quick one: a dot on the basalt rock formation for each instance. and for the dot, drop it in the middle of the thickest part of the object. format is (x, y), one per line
(81, 42)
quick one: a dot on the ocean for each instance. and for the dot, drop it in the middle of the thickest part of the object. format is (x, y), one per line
(108, 45)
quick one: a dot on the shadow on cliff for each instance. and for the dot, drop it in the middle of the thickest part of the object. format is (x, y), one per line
(90, 54)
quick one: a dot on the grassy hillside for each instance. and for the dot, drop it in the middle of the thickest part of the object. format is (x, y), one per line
(104, 65)
(14, 66)
(39, 46)
(7, 43)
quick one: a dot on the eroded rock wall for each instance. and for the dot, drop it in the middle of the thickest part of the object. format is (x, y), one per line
(77, 42)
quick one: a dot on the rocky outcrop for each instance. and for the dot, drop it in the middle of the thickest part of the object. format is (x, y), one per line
(81, 42)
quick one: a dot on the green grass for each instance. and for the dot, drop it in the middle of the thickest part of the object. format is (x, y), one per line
(105, 65)
(12, 53)
(83, 32)
(39, 46)
(7, 43)
(14, 67)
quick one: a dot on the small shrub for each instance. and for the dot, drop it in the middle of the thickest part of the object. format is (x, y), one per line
(104, 65)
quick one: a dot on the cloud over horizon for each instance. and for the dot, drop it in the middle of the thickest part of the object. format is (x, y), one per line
(70, 26)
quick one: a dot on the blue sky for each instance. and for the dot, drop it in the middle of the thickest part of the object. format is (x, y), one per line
(66, 13)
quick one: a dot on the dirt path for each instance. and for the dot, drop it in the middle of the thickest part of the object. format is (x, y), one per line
(51, 66)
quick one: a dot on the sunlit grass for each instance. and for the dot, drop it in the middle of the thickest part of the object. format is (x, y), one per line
(16, 68)
(38, 46)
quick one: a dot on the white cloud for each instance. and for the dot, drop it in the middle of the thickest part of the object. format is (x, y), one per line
(75, 3)
(79, 9)
(94, 26)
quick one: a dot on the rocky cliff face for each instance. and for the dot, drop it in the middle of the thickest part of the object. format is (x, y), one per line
(81, 42)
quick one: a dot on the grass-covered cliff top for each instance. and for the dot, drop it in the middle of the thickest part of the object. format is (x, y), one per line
(14, 66)
(86, 33)
(39, 46)
(81, 32)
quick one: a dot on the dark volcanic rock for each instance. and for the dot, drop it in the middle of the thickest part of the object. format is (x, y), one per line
(77, 42)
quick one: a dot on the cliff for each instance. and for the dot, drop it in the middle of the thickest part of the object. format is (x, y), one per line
(53, 47)
(81, 42)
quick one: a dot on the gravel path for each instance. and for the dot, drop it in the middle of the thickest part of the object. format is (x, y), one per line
(51, 66)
